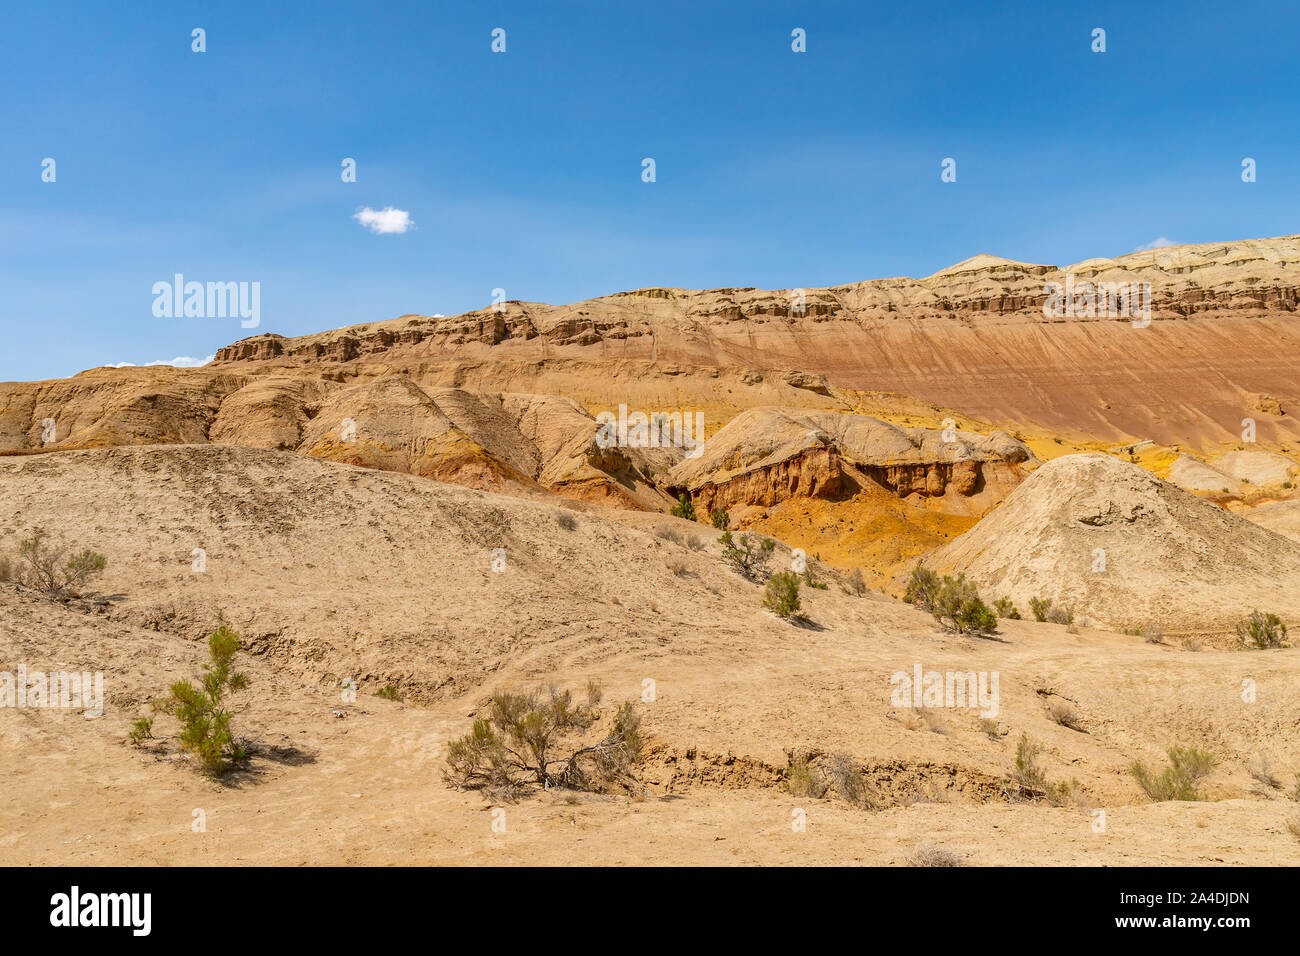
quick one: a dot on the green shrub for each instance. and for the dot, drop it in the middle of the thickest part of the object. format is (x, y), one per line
(535, 740)
(49, 571)
(957, 606)
(721, 520)
(1262, 631)
(204, 717)
(140, 731)
(782, 594)
(389, 692)
(922, 588)
(1179, 781)
(1030, 779)
(1006, 610)
(746, 554)
(684, 508)
(1040, 607)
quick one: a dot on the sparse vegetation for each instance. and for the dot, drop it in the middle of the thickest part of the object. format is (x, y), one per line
(1005, 609)
(695, 543)
(668, 534)
(202, 711)
(1152, 632)
(933, 855)
(954, 602)
(781, 595)
(1040, 607)
(1293, 825)
(922, 588)
(856, 583)
(747, 555)
(802, 778)
(1261, 769)
(140, 731)
(566, 521)
(721, 520)
(685, 508)
(1181, 779)
(1061, 615)
(811, 579)
(533, 740)
(1262, 631)
(389, 692)
(678, 567)
(989, 728)
(1063, 713)
(1030, 779)
(49, 569)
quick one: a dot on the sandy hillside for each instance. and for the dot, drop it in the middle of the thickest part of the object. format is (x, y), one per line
(331, 571)
(1123, 548)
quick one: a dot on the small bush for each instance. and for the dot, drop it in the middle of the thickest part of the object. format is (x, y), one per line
(668, 534)
(856, 583)
(1293, 825)
(1063, 713)
(846, 777)
(931, 855)
(1262, 770)
(566, 521)
(140, 731)
(1030, 779)
(695, 543)
(746, 554)
(49, 571)
(1040, 607)
(990, 728)
(1180, 780)
(684, 508)
(803, 780)
(810, 578)
(533, 740)
(1061, 615)
(6, 570)
(721, 520)
(678, 567)
(922, 588)
(1262, 631)
(782, 594)
(1005, 609)
(202, 712)
(1152, 632)
(389, 692)
(957, 606)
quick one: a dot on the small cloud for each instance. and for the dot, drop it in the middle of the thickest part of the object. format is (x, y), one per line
(180, 361)
(1156, 244)
(386, 221)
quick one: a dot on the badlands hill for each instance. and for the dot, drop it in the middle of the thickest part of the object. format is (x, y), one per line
(1123, 548)
(331, 571)
(1222, 346)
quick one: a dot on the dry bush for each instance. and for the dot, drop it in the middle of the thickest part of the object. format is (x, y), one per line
(1030, 779)
(934, 722)
(1262, 770)
(695, 543)
(566, 521)
(535, 741)
(933, 855)
(847, 779)
(6, 570)
(678, 567)
(1063, 713)
(1181, 779)
(802, 779)
(669, 534)
(857, 585)
(51, 570)
(1152, 633)
(1293, 825)
(1061, 614)
(1191, 644)
(989, 727)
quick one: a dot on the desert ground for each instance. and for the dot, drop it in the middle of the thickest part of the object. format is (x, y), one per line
(423, 508)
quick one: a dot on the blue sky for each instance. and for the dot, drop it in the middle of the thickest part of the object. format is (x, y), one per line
(522, 170)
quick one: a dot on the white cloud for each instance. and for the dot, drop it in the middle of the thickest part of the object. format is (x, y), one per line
(1156, 244)
(386, 221)
(180, 361)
